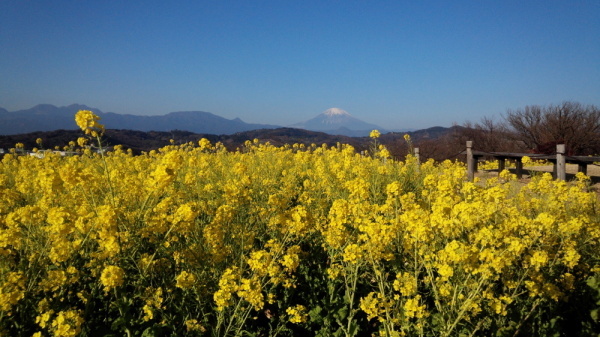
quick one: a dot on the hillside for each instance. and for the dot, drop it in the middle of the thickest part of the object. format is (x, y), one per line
(145, 141)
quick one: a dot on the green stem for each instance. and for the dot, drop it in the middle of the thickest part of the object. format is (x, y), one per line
(106, 172)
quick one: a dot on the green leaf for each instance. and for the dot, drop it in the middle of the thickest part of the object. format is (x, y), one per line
(149, 332)
(341, 314)
(315, 314)
(155, 330)
(338, 333)
(118, 323)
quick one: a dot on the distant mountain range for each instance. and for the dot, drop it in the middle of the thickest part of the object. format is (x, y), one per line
(46, 117)
(56, 127)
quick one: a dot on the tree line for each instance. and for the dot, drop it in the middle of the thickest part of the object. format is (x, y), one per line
(532, 129)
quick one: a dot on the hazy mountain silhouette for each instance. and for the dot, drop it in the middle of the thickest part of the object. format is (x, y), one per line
(47, 117)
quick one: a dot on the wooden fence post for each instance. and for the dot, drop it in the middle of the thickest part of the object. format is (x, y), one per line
(582, 167)
(417, 155)
(501, 164)
(519, 168)
(470, 161)
(561, 167)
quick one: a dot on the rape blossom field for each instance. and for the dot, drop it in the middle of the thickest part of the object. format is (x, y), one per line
(194, 240)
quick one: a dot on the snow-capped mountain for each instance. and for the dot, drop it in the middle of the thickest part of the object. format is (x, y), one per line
(336, 121)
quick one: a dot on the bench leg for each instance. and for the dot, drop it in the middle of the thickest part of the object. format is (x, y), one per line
(519, 169)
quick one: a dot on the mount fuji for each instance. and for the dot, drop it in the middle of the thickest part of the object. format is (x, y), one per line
(336, 121)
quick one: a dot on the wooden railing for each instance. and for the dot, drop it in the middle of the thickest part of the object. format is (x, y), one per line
(559, 161)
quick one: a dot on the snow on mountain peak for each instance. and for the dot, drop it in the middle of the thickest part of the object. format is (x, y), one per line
(335, 112)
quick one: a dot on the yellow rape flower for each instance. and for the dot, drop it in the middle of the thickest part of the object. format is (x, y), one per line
(194, 325)
(413, 309)
(148, 311)
(67, 324)
(405, 283)
(12, 291)
(297, 314)
(445, 271)
(383, 152)
(227, 286)
(291, 260)
(371, 305)
(185, 280)
(353, 253)
(250, 291)
(82, 142)
(539, 259)
(88, 123)
(154, 300)
(112, 277)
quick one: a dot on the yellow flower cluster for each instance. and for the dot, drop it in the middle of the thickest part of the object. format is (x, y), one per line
(185, 280)
(67, 324)
(112, 277)
(88, 122)
(12, 290)
(208, 241)
(297, 314)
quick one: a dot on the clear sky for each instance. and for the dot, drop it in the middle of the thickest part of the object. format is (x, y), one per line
(398, 64)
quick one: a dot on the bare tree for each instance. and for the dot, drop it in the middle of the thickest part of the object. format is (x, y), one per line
(571, 123)
(528, 124)
(489, 135)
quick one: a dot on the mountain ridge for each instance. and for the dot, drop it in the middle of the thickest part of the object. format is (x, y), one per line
(47, 117)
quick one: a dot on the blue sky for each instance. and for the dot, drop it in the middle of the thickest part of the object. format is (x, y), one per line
(398, 64)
